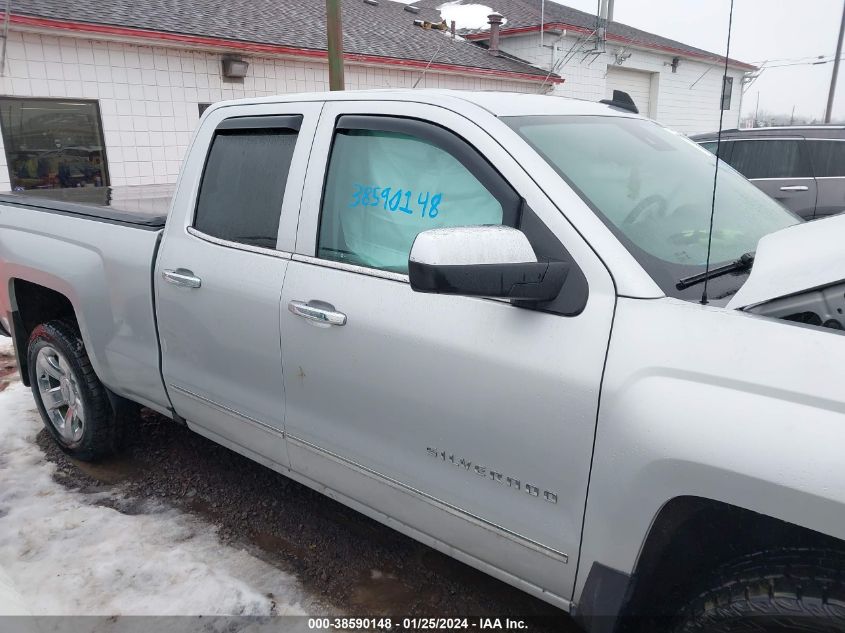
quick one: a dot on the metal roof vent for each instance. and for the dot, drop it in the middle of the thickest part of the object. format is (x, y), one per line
(372, 3)
(495, 21)
(411, 9)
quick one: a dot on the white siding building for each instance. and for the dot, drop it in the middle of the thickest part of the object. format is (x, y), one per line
(115, 101)
(674, 83)
(110, 91)
(686, 100)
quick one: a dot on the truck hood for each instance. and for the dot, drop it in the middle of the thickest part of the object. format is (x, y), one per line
(793, 260)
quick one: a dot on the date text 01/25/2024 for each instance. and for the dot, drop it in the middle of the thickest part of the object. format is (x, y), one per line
(427, 204)
(416, 624)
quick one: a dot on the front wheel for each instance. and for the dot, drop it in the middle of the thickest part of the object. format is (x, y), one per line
(71, 399)
(788, 590)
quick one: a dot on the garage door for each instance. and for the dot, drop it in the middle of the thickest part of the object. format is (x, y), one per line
(635, 83)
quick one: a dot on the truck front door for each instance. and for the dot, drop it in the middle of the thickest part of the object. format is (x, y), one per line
(465, 420)
(220, 272)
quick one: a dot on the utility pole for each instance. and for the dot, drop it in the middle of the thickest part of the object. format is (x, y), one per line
(792, 116)
(829, 111)
(756, 109)
(334, 31)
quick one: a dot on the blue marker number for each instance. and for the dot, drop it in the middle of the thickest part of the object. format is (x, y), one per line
(392, 200)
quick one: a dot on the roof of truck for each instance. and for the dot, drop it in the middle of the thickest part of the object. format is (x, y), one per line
(496, 102)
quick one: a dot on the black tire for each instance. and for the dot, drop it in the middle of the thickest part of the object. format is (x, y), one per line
(101, 431)
(772, 592)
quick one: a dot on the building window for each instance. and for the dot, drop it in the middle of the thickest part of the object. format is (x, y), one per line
(727, 90)
(203, 107)
(53, 143)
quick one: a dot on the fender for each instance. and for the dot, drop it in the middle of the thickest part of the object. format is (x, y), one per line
(713, 403)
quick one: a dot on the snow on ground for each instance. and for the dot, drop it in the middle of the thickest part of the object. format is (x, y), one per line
(6, 347)
(68, 555)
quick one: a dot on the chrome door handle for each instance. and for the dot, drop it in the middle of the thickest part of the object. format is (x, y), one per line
(795, 188)
(181, 277)
(317, 312)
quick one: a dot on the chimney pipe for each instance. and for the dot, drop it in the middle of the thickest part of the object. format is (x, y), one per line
(495, 21)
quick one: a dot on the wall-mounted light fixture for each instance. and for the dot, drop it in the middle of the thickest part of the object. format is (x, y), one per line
(234, 67)
(675, 63)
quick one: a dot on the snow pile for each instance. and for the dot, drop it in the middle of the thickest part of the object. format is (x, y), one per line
(6, 348)
(68, 556)
(466, 16)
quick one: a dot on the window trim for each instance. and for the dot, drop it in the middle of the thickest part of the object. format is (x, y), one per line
(351, 268)
(234, 124)
(99, 117)
(260, 250)
(291, 122)
(440, 136)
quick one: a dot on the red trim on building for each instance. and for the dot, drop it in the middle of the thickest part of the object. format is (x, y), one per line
(273, 49)
(560, 26)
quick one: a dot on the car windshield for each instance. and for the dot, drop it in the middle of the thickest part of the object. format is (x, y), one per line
(654, 189)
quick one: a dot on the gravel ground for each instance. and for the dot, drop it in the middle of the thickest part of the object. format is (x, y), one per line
(351, 563)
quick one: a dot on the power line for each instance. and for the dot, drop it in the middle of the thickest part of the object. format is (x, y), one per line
(815, 63)
(792, 59)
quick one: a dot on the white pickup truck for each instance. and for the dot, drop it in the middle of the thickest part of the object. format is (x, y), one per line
(477, 318)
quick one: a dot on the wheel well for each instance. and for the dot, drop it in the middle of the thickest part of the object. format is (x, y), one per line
(32, 305)
(691, 537)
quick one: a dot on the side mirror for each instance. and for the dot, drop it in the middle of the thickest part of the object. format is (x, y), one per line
(482, 261)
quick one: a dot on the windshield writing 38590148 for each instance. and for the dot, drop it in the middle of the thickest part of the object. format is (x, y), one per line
(424, 203)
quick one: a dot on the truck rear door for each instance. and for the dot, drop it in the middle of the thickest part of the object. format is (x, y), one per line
(220, 272)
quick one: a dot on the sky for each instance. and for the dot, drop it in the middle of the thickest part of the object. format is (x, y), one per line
(762, 30)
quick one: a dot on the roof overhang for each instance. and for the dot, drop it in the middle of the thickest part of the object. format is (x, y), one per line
(560, 26)
(146, 36)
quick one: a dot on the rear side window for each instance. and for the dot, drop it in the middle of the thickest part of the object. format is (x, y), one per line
(770, 159)
(243, 185)
(828, 158)
(389, 179)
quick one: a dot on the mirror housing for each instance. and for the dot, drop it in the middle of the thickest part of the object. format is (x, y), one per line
(482, 261)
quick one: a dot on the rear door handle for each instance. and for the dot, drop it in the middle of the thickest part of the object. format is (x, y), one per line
(182, 277)
(317, 312)
(795, 188)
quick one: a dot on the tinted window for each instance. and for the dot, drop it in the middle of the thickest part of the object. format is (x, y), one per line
(383, 187)
(828, 157)
(769, 159)
(243, 185)
(53, 143)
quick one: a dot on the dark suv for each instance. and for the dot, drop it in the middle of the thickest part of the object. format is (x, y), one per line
(802, 167)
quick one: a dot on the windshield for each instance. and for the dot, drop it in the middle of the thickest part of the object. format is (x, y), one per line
(654, 189)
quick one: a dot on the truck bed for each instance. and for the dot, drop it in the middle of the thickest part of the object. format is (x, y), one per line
(140, 205)
(97, 248)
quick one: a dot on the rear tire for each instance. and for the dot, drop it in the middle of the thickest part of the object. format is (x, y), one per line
(773, 592)
(72, 401)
